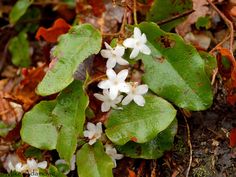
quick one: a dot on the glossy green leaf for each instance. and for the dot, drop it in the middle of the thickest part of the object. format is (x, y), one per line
(20, 51)
(33, 152)
(175, 70)
(38, 129)
(18, 10)
(167, 9)
(70, 117)
(210, 62)
(75, 46)
(203, 22)
(92, 161)
(153, 149)
(140, 124)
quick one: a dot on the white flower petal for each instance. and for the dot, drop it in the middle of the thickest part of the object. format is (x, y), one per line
(122, 74)
(108, 46)
(134, 53)
(111, 74)
(119, 50)
(143, 38)
(92, 141)
(118, 99)
(141, 89)
(127, 100)
(137, 33)
(91, 126)
(124, 87)
(111, 63)
(99, 96)
(145, 49)
(129, 42)
(118, 156)
(106, 84)
(105, 107)
(122, 61)
(32, 164)
(139, 100)
(113, 92)
(11, 167)
(42, 165)
(87, 134)
(72, 163)
(99, 128)
(106, 53)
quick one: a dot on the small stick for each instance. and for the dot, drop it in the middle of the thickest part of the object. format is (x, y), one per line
(228, 23)
(220, 43)
(135, 12)
(190, 148)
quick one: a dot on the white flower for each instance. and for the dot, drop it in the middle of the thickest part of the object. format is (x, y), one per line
(114, 55)
(107, 101)
(111, 151)
(94, 132)
(115, 83)
(33, 167)
(135, 94)
(137, 42)
(72, 164)
(19, 167)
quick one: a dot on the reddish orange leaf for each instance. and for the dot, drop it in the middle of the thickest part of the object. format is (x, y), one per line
(229, 74)
(51, 34)
(232, 138)
(97, 6)
(131, 173)
(134, 139)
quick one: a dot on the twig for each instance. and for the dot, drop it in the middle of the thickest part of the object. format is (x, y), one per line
(220, 43)
(228, 23)
(135, 12)
(190, 148)
(175, 17)
(215, 71)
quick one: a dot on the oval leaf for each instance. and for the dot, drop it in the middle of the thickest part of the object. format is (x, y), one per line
(92, 161)
(18, 10)
(20, 50)
(37, 126)
(140, 124)
(175, 70)
(70, 117)
(75, 46)
(153, 149)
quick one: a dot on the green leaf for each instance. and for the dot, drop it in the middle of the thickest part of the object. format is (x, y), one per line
(167, 9)
(210, 62)
(70, 117)
(153, 149)
(4, 128)
(203, 22)
(18, 10)
(33, 152)
(37, 126)
(54, 172)
(12, 174)
(75, 46)
(140, 124)
(92, 161)
(19, 48)
(175, 70)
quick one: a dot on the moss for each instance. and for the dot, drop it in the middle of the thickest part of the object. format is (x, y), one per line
(201, 171)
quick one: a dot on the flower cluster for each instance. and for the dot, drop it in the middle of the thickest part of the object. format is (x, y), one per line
(31, 167)
(93, 133)
(115, 84)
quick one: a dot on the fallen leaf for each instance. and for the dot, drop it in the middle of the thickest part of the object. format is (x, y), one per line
(51, 34)
(232, 138)
(98, 7)
(131, 173)
(228, 74)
